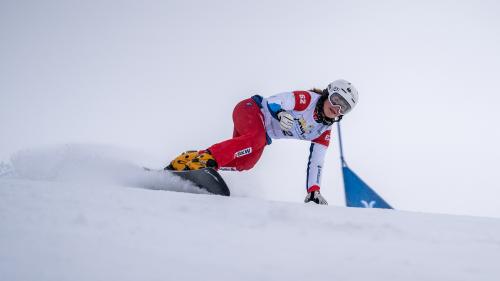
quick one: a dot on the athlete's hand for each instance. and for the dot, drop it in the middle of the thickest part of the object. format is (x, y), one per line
(315, 197)
(286, 120)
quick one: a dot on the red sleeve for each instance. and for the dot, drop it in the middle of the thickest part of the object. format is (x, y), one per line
(302, 100)
(324, 139)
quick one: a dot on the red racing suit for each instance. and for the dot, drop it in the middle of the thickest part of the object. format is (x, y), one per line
(256, 124)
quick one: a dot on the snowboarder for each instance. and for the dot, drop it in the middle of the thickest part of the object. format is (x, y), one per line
(304, 115)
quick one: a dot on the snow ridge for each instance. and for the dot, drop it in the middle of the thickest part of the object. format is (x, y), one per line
(90, 164)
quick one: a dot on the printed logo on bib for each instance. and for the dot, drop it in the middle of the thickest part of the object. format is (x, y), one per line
(243, 152)
(304, 127)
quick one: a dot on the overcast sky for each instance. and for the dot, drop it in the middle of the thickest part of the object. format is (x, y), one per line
(163, 77)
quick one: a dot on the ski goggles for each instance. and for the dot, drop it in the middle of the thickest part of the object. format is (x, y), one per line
(337, 100)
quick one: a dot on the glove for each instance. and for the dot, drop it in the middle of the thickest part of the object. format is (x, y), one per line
(315, 197)
(286, 120)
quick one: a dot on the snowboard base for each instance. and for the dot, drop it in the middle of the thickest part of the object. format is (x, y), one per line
(208, 179)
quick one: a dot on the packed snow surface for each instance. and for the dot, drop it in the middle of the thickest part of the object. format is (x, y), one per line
(76, 213)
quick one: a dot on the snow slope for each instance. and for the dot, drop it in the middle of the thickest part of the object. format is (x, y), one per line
(80, 213)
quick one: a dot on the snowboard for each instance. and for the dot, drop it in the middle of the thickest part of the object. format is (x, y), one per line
(208, 179)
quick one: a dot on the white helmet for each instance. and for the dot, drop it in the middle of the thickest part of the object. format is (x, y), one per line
(343, 93)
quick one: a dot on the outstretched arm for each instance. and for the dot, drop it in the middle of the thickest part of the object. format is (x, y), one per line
(317, 154)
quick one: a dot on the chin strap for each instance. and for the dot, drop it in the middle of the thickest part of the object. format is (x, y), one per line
(337, 119)
(330, 121)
